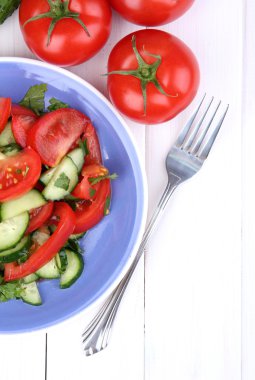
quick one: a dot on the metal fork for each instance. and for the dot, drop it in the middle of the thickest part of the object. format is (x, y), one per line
(184, 159)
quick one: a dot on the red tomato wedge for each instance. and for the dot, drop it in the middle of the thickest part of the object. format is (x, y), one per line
(17, 109)
(19, 173)
(5, 111)
(65, 224)
(88, 214)
(94, 152)
(54, 133)
(38, 216)
(21, 124)
(84, 190)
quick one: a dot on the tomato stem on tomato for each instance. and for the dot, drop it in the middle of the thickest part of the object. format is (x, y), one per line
(58, 10)
(146, 73)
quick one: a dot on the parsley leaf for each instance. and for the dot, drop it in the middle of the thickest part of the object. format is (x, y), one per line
(34, 98)
(95, 180)
(62, 181)
(56, 104)
(84, 146)
(10, 291)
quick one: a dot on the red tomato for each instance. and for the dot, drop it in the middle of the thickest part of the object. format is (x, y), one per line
(17, 109)
(80, 29)
(151, 12)
(89, 213)
(66, 219)
(38, 216)
(84, 189)
(152, 76)
(18, 174)
(21, 124)
(5, 111)
(94, 152)
(55, 132)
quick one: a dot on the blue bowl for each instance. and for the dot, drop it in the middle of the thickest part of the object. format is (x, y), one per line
(110, 246)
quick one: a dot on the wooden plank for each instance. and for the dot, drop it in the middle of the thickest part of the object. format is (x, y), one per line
(248, 254)
(193, 275)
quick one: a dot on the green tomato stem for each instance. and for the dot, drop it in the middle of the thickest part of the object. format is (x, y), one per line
(58, 10)
(146, 73)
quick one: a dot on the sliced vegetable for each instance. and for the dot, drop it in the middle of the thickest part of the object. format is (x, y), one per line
(21, 124)
(18, 109)
(30, 278)
(12, 230)
(5, 111)
(26, 202)
(13, 254)
(88, 214)
(64, 217)
(30, 294)
(91, 142)
(77, 155)
(38, 216)
(49, 270)
(18, 174)
(54, 133)
(6, 136)
(73, 270)
(63, 180)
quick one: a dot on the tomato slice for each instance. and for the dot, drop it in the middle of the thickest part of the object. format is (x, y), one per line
(5, 111)
(38, 216)
(84, 189)
(94, 152)
(21, 124)
(17, 109)
(18, 174)
(65, 218)
(89, 213)
(55, 132)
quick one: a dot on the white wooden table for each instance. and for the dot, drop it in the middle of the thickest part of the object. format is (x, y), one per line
(189, 312)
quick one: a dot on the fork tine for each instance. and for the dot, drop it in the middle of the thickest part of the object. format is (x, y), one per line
(182, 136)
(199, 141)
(206, 150)
(187, 144)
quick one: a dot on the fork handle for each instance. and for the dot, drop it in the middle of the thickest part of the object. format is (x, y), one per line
(96, 336)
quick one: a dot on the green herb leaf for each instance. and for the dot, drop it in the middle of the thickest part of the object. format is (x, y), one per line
(34, 98)
(107, 206)
(84, 146)
(95, 180)
(62, 181)
(73, 245)
(10, 291)
(56, 104)
(92, 192)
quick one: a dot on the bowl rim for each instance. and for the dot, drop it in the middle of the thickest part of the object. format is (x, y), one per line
(97, 302)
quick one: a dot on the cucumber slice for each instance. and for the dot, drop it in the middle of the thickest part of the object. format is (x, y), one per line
(47, 175)
(30, 294)
(13, 254)
(30, 278)
(49, 270)
(63, 181)
(26, 202)
(74, 269)
(77, 156)
(6, 136)
(12, 230)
